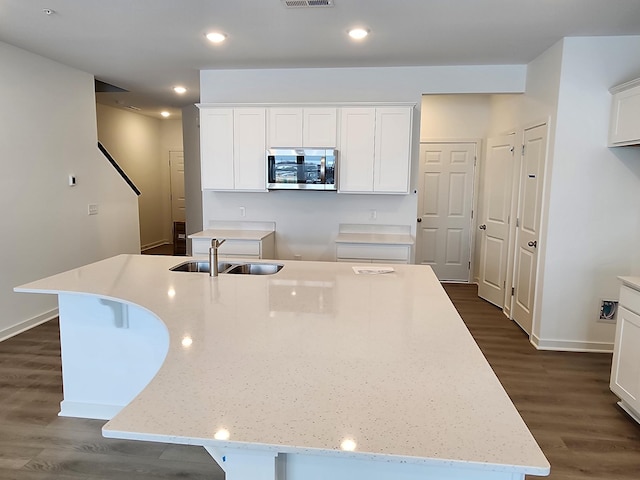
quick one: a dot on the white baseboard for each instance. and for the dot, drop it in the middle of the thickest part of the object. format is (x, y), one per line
(88, 410)
(571, 345)
(27, 324)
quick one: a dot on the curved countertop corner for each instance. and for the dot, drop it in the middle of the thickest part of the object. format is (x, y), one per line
(299, 361)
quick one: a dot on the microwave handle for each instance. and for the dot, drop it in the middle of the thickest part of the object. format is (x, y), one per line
(323, 170)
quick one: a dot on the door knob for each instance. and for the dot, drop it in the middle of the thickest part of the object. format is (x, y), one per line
(482, 227)
(419, 220)
(533, 243)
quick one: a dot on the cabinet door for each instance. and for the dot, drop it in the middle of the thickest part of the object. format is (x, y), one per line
(625, 117)
(320, 127)
(392, 150)
(285, 127)
(625, 368)
(355, 162)
(249, 149)
(216, 148)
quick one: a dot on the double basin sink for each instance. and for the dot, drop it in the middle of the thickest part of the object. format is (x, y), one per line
(202, 266)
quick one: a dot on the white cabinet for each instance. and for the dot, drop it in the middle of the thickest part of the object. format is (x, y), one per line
(624, 127)
(233, 144)
(302, 127)
(375, 150)
(625, 368)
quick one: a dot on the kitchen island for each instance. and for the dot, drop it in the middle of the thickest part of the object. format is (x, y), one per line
(313, 372)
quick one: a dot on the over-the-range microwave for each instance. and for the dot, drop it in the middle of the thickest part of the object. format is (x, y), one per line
(302, 168)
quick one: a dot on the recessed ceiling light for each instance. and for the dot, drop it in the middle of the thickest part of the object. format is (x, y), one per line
(165, 114)
(358, 33)
(216, 37)
(179, 90)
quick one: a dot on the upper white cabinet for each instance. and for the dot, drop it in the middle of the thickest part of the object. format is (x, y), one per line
(302, 127)
(233, 144)
(624, 128)
(375, 149)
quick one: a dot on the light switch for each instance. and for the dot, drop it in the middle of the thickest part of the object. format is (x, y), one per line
(93, 209)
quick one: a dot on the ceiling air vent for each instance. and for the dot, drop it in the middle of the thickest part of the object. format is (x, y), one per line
(307, 3)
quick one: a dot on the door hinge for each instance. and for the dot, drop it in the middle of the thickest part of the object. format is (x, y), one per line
(471, 214)
(475, 161)
(517, 222)
(513, 291)
(523, 150)
(469, 265)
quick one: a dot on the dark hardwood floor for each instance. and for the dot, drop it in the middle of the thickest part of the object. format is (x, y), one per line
(563, 397)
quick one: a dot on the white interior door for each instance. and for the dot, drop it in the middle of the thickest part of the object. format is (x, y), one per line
(445, 205)
(176, 164)
(495, 208)
(528, 229)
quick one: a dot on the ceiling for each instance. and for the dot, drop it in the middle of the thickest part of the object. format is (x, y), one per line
(149, 46)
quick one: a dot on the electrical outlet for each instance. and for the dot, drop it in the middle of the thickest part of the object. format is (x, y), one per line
(243, 212)
(608, 309)
(373, 214)
(93, 209)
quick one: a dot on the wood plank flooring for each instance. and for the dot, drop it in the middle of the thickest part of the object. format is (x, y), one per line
(563, 397)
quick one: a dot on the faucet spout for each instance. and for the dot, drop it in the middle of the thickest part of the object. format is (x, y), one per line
(213, 256)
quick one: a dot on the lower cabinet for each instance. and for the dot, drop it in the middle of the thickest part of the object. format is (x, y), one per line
(625, 368)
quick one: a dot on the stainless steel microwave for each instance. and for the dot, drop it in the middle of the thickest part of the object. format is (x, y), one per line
(302, 168)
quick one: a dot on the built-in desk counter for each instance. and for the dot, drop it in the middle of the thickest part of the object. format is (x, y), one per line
(247, 240)
(374, 243)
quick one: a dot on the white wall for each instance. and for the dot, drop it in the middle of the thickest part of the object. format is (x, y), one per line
(140, 144)
(47, 132)
(192, 191)
(306, 222)
(593, 216)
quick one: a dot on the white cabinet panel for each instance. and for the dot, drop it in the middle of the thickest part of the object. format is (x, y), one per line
(285, 127)
(320, 127)
(375, 144)
(357, 149)
(249, 146)
(624, 126)
(302, 127)
(233, 144)
(393, 150)
(216, 145)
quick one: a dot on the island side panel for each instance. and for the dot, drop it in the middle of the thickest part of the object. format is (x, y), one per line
(110, 351)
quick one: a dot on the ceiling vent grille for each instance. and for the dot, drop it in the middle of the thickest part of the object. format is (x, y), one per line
(307, 3)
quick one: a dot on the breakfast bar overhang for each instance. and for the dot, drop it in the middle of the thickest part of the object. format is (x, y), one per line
(313, 372)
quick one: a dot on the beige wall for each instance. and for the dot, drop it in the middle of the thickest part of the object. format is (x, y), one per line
(48, 132)
(141, 145)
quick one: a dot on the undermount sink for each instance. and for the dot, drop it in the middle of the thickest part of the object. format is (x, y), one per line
(199, 266)
(255, 269)
(202, 266)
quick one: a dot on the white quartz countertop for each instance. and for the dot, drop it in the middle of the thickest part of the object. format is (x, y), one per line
(633, 282)
(375, 238)
(232, 234)
(301, 360)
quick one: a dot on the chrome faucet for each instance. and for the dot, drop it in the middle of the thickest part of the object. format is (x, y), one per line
(213, 256)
